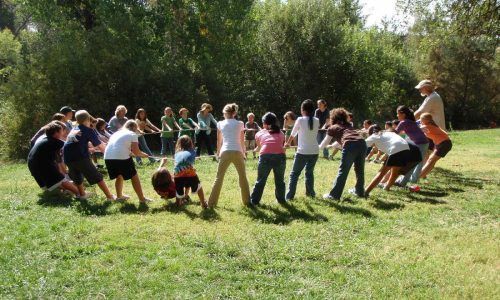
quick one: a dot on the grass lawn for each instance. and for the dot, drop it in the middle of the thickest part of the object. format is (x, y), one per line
(440, 243)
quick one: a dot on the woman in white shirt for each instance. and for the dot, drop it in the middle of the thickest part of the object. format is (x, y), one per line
(230, 150)
(119, 162)
(306, 128)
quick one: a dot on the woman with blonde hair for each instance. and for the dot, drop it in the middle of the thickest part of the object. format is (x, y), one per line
(205, 119)
(230, 150)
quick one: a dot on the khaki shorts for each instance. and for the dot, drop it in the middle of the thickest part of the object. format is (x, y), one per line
(250, 144)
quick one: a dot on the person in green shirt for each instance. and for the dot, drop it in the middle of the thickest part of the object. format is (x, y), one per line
(168, 125)
(186, 124)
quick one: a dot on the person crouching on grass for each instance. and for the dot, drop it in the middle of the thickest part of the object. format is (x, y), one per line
(442, 142)
(353, 152)
(119, 162)
(185, 176)
(403, 156)
(163, 182)
(76, 155)
(42, 159)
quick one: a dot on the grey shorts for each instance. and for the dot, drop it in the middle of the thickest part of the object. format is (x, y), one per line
(78, 170)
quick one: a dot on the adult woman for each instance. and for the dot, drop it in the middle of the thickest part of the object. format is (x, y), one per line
(230, 150)
(118, 120)
(205, 119)
(145, 126)
(119, 163)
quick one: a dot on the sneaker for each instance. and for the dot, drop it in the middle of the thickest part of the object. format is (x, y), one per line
(113, 198)
(253, 204)
(353, 192)
(146, 200)
(85, 196)
(122, 198)
(414, 188)
(328, 197)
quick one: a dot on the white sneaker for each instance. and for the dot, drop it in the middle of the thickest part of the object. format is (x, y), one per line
(85, 196)
(328, 197)
(123, 198)
(113, 198)
(146, 200)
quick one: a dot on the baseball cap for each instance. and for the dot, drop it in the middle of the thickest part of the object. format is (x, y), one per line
(66, 109)
(423, 83)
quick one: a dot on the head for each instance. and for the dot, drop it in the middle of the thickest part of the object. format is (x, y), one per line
(289, 116)
(395, 124)
(168, 111)
(374, 129)
(230, 111)
(321, 104)
(141, 114)
(183, 112)
(426, 119)
(55, 129)
(184, 143)
(101, 124)
(271, 123)
(131, 125)
(163, 183)
(350, 117)
(120, 111)
(388, 125)
(65, 131)
(68, 113)
(58, 117)
(251, 117)
(339, 116)
(425, 87)
(83, 117)
(93, 122)
(206, 108)
(307, 109)
(367, 124)
(405, 113)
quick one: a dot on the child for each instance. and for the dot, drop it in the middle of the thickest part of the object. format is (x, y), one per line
(289, 122)
(442, 142)
(187, 124)
(323, 116)
(102, 132)
(251, 128)
(271, 157)
(145, 126)
(168, 124)
(68, 113)
(41, 131)
(185, 176)
(230, 150)
(409, 126)
(119, 119)
(42, 160)
(353, 152)
(403, 156)
(306, 128)
(388, 126)
(162, 181)
(205, 119)
(77, 157)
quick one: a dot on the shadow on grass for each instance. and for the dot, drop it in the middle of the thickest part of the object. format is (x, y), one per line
(206, 214)
(283, 214)
(419, 197)
(384, 205)
(84, 207)
(457, 179)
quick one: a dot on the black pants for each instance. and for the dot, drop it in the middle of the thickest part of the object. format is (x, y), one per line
(203, 138)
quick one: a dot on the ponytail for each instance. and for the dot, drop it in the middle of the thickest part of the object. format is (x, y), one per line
(308, 107)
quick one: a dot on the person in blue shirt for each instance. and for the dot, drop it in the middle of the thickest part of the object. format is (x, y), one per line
(77, 157)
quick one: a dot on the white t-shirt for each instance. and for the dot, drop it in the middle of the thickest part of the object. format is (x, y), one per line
(120, 144)
(433, 104)
(308, 143)
(388, 142)
(231, 134)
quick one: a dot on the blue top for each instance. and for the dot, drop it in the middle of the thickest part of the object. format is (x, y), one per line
(76, 147)
(184, 163)
(204, 121)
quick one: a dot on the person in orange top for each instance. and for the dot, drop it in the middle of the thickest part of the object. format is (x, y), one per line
(441, 141)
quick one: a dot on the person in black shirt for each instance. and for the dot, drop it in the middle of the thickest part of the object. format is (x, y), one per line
(322, 114)
(42, 160)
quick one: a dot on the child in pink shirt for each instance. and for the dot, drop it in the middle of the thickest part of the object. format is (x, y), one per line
(270, 142)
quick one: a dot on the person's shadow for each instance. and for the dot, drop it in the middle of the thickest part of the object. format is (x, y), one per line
(283, 214)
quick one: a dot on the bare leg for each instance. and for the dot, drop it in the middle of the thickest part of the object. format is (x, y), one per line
(119, 186)
(136, 184)
(201, 195)
(70, 187)
(392, 178)
(104, 188)
(81, 189)
(377, 179)
(429, 165)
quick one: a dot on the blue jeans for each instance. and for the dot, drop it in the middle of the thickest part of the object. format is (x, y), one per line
(414, 174)
(167, 143)
(320, 138)
(144, 148)
(352, 153)
(268, 162)
(302, 160)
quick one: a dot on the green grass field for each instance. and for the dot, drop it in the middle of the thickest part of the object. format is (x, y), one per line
(440, 243)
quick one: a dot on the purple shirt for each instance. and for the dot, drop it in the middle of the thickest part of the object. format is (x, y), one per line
(413, 131)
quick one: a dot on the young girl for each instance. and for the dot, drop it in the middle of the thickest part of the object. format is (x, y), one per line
(251, 128)
(353, 152)
(185, 176)
(409, 126)
(168, 124)
(288, 123)
(119, 119)
(306, 128)
(187, 124)
(403, 156)
(205, 119)
(442, 142)
(323, 116)
(145, 126)
(163, 182)
(230, 150)
(119, 163)
(102, 132)
(272, 157)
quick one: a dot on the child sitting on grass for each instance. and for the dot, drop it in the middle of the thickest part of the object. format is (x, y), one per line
(442, 142)
(185, 176)
(251, 128)
(272, 156)
(162, 181)
(77, 157)
(42, 160)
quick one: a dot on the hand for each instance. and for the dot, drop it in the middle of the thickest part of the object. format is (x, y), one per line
(287, 145)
